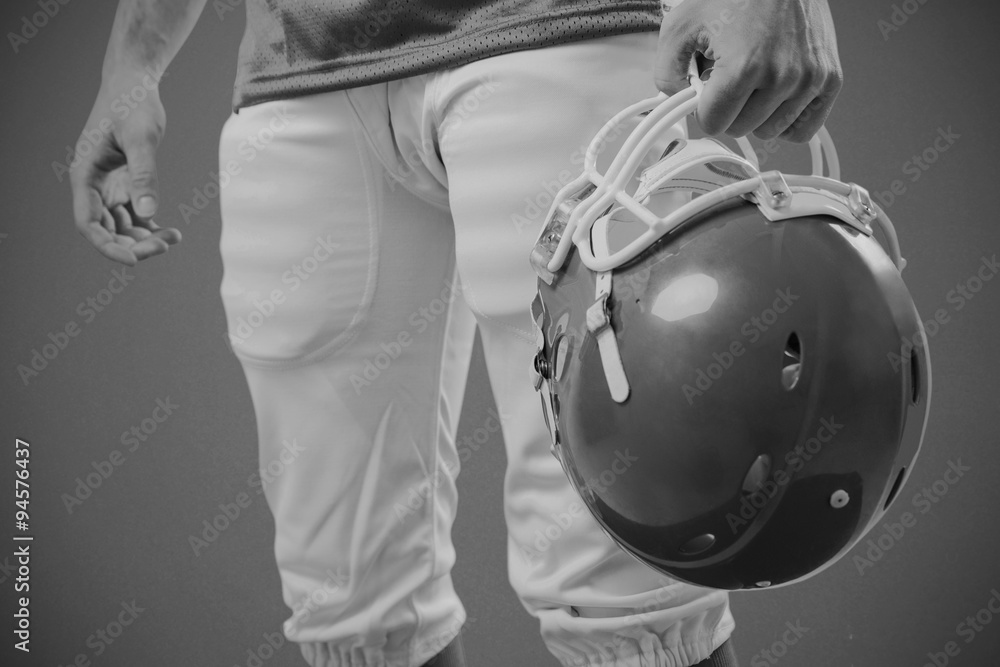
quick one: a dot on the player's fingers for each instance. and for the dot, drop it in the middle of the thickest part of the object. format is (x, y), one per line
(724, 96)
(814, 113)
(168, 234)
(107, 245)
(108, 221)
(758, 108)
(91, 220)
(681, 36)
(783, 117)
(87, 205)
(124, 227)
(140, 152)
(779, 92)
(149, 247)
(138, 237)
(668, 74)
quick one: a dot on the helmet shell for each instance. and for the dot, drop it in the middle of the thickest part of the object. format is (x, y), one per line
(728, 465)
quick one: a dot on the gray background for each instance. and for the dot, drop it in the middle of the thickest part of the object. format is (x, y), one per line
(163, 337)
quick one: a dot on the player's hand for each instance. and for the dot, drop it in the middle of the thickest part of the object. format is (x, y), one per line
(114, 183)
(776, 71)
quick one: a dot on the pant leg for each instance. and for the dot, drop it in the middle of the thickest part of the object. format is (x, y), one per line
(339, 291)
(513, 129)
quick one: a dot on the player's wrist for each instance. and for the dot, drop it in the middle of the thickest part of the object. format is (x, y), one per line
(118, 74)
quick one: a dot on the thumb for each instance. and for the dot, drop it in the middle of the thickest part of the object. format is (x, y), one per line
(141, 156)
(677, 44)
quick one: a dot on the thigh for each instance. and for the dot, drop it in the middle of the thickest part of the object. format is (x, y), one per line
(339, 290)
(298, 240)
(514, 129)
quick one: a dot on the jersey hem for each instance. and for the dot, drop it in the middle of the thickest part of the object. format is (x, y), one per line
(426, 58)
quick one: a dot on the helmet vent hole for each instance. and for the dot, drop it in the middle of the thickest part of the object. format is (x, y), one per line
(791, 363)
(914, 376)
(895, 488)
(670, 149)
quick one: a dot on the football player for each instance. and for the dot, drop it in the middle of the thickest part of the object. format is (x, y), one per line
(382, 179)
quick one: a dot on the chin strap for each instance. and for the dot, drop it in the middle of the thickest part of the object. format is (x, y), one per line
(699, 165)
(707, 166)
(599, 319)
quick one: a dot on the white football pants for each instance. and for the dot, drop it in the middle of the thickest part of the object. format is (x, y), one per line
(366, 233)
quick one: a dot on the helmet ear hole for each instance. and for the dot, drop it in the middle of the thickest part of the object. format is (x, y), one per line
(791, 365)
(895, 488)
(915, 376)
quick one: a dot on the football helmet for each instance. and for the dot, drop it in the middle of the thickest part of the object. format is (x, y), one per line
(734, 375)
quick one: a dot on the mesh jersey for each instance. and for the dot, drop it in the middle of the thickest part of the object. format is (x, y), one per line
(300, 47)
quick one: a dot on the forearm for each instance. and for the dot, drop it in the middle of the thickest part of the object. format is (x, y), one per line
(147, 34)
